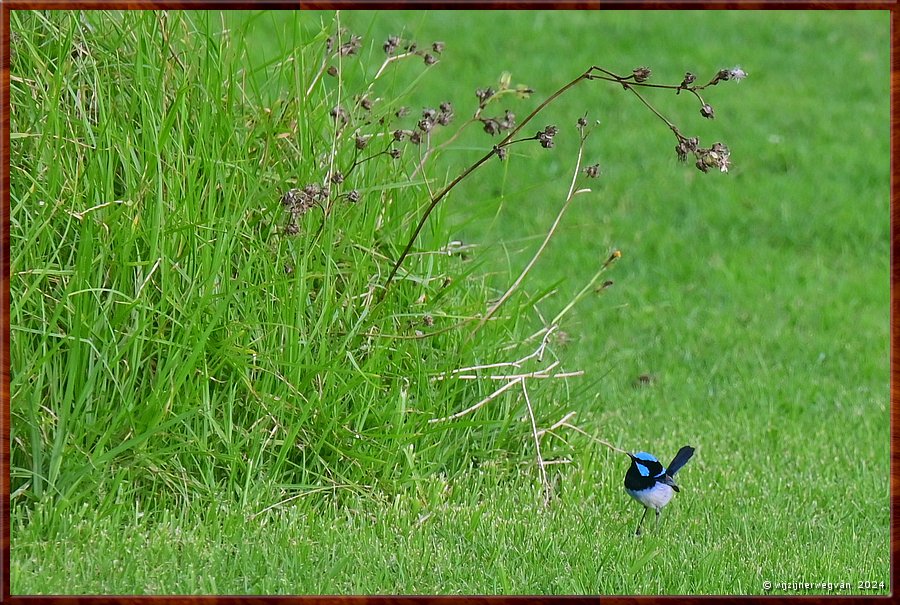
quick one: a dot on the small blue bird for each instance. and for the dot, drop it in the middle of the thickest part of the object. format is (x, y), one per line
(650, 483)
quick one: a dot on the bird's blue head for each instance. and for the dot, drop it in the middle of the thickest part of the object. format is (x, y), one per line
(646, 464)
(646, 457)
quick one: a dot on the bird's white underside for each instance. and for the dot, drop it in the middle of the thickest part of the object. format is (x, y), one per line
(655, 497)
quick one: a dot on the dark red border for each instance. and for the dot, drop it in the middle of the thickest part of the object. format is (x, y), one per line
(4, 301)
(6, 6)
(451, 4)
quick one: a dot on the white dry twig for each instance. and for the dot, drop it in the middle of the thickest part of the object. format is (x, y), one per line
(539, 353)
(537, 443)
(511, 381)
(564, 420)
(537, 374)
(468, 410)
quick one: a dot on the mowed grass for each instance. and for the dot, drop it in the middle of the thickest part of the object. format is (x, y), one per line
(756, 300)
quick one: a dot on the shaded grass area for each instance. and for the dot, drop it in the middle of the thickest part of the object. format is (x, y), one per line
(756, 302)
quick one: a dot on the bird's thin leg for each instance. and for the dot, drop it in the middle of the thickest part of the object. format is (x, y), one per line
(657, 517)
(637, 532)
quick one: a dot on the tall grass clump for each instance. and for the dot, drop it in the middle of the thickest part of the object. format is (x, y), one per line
(232, 279)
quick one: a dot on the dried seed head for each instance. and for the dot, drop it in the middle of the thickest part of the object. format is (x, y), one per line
(491, 126)
(338, 113)
(484, 94)
(366, 103)
(737, 74)
(707, 111)
(332, 71)
(391, 44)
(351, 46)
(592, 172)
(394, 153)
(337, 177)
(402, 112)
(362, 141)
(429, 59)
(353, 196)
(287, 200)
(297, 202)
(722, 76)
(717, 156)
(546, 135)
(437, 47)
(446, 114)
(426, 124)
(641, 74)
(428, 320)
(582, 122)
(686, 146)
(721, 155)
(500, 151)
(414, 137)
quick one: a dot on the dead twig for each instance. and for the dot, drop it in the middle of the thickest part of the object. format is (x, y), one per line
(471, 409)
(537, 443)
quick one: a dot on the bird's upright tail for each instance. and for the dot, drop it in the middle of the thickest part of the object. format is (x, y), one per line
(681, 458)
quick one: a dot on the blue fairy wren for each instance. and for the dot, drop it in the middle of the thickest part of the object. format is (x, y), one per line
(652, 484)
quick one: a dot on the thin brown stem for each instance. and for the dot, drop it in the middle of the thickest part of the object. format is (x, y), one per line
(434, 202)
(611, 77)
(593, 73)
(443, 192)
(431, 150)
(671, 126)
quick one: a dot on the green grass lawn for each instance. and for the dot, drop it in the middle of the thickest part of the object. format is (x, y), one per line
(202, 403)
